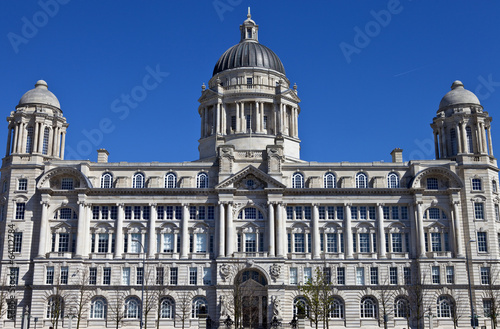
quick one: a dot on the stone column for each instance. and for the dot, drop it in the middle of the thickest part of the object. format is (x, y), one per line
(242, 117)
(444, 153)
(436, 145)
(465, 142)
(478, 137)
(381, 232)
(229, 230)
(40, 138)
(44, 227)
(490, 142)
(271, 224)
(63, 144)
(238, 122)
(257, 117)
(458, 230)
(348, 232)
(24, 135)
(420, 226)
(54, 140)
(82, 238)
(9, 136)
(315, 236)
(119, 231)
(152, 230)
(280, 231)
(221, 231)
(34, 147)
(184, 232)
(413, 233)
(16, 132)
(483, 138)
(459, 139)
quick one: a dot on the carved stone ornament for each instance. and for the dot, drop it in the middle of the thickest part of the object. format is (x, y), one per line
(275, 271)
(225, 271)
(250, 182)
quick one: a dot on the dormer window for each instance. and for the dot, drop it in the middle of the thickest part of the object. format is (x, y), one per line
(249, 33)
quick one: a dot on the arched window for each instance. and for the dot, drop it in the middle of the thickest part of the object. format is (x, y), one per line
(55, 308)
(444, 307)
(138, 180)
(298, 180)
(361, 180)
(401, 308)
(29, 140)
(106, 180)
(170, 180)
(392, 180)
(132, 308)
(250, 213)
(368, 307)
(470, 146)
(197, 303)
(300, 306)
(454, 145)
(46, 134)
(329, 180)
(98, 308)
(336, 309)
(167, 308)
(202, 180)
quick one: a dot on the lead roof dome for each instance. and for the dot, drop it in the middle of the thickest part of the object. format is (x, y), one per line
(249, 52)
(458, 95)
(40, 95)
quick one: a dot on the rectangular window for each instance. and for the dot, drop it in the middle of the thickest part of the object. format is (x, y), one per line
(364, 242)
(373, 275)
(397, 242)
(105, 212)
(207, 276)
(482, 243)
(160, 212)
(354, 212)
(64, 275)
(289, 212)
(137, 212)
(126, 276)
(307, 274)
(362, 213)
(106, 275)
(67, 184)
(485, 275)
(93, 275)
(128, 212)
(146, 212)
(159, 275)
(63, 242)
(265, 122)
(450, 274)
(293, 275)
(178, 212)
(479, 210)
(372, 213)
(49, 275)
(298, 212)
(210, 212)
(135, 246)
(169, 212)
(22, 184)
(201, 212)
(20, 209)
(249, 121)
(393, 275)
(331, 212)
(340, 212)
(233, 122)
(173, 275)
(436, 242)
(193, 275)
(95, 212)
(327, 275)
(321, 212)
(299, 242)
(139, 275)
(192, 212)
(407, 275)
(487, 308)
(340, 275)
(18, 242)
(435, 275)
(250, 242)
(432, 183)
(168, 242)
(395, 212)
(331, 242)
(476, 184)
(497, 213)
(102, 243)
(14, 276)
(385, 211)
(360, 276)
(201, 242)
(404, 212)
(114, 212)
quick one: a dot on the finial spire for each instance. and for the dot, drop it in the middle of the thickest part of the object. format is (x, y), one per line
(249, 15)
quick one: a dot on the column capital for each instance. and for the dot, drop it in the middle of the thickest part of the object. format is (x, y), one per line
(419, 203)
(83, 203)
(153, 204)
(44, 203)
(272, 203)
(315, 205)
(455, 203)
(380, 204)
(185, 204)
(121, 205)
(347, 204)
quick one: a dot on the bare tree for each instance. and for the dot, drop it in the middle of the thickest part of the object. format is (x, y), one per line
(150, 294)
(160, 293)
(116, 307)
(55, 300)
(386, 297)
(183, 306)
(314, 291)
(81, 299)
(459, 307)
(493, 295)
(414, 290)
(4, 294)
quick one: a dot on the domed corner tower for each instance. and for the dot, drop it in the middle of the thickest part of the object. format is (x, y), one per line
(462, 130)
(249, 105)
(37, 126)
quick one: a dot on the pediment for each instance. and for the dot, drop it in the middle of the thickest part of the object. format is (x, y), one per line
(207, 94)
(250, 178)
(291, 95)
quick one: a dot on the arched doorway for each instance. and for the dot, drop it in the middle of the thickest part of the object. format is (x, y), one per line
(251, 299)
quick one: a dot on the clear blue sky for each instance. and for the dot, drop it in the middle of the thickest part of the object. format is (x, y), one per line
(355, 107)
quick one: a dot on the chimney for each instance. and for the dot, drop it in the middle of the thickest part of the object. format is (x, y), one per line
(397, 155)
(102, 156)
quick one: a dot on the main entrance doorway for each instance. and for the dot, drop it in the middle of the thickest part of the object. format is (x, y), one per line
(251, 299)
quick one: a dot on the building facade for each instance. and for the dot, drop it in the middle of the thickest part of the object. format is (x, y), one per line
(249, 221)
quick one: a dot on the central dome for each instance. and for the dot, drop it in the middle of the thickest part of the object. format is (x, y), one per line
(249, 52)
(40, 95)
